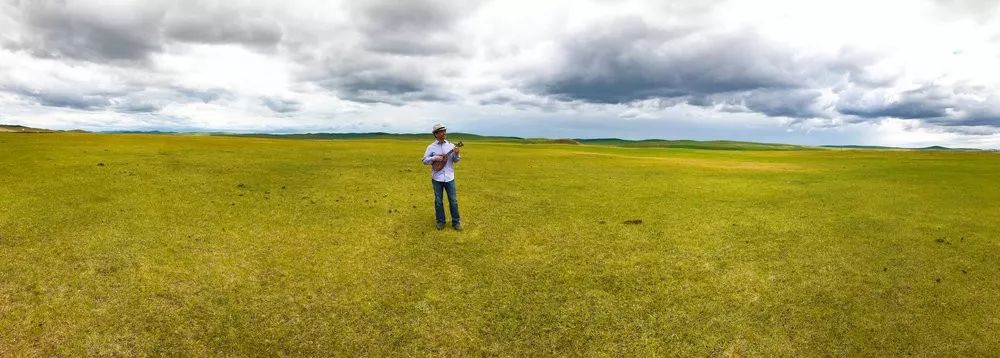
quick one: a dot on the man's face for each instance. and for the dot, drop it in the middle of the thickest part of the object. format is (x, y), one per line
(441, 135)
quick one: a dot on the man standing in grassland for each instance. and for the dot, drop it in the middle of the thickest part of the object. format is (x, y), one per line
(444, 179)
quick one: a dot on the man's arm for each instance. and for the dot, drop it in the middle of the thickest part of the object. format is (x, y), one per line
(454, 155)
(428, 158)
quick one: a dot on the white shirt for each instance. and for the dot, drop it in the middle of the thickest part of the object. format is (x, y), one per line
(447, 173)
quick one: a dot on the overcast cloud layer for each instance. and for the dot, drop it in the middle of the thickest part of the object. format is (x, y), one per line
(902, 73)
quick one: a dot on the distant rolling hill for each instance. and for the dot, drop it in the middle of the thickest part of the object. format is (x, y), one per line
(457, 136)
(11, 128)
(22, 129)
(875, 147)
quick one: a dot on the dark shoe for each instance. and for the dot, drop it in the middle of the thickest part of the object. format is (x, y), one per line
(440, 226)
(457, 226)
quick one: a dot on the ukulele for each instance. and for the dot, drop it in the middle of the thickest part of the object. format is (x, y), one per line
(440, 164)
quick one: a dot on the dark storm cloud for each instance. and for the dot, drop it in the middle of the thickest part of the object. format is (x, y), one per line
(204, 95)
(905, 110)
(133, 101)
(393, 52)
(378, 85)
(127, 99)
(952, 106)
(53, 29)
(368, 70)
(279, 105)
(519, 102)
(985, 120)
(139, 107)
(925, 102)
(102, 32)
(71, 98)
(378, 78)
(973, 112)
(627, 60)
(406, 45)
(790, 103)
(396, 99)
(224, 26)
(73, 101)
(382, 82)
(421, 27)
(62, 99)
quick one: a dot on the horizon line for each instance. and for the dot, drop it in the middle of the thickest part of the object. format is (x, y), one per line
(284, 133)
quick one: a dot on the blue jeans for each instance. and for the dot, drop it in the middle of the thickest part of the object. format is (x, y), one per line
(439, 204)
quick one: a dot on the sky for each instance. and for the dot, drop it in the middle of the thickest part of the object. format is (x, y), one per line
(907, 73)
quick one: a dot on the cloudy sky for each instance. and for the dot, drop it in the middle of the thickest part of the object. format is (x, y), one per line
(871, 72)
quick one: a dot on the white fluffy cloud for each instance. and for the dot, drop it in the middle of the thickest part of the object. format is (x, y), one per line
(848, 72)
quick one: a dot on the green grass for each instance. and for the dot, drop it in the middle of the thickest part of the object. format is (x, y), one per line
(194, 245)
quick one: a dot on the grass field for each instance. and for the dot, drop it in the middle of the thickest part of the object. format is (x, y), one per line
(163, 245)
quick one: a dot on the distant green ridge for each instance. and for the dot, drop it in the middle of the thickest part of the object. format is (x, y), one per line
(457, 136)
(858, 147)
(876, 147)
(693, 144)
(372, 135)
(648, 143)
